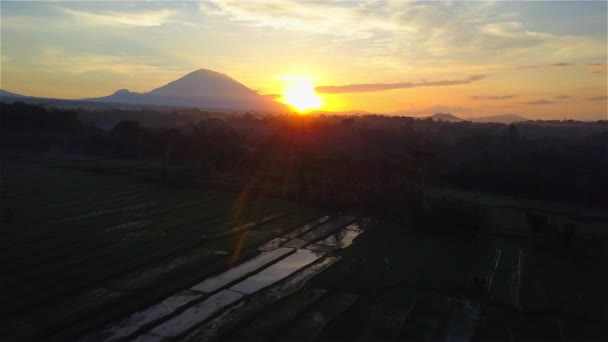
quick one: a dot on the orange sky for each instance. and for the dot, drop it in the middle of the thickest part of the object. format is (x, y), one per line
(536, 59)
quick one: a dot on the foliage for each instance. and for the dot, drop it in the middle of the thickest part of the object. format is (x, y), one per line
(370, 162)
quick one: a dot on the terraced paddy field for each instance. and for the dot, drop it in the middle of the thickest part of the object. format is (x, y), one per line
(101, 257)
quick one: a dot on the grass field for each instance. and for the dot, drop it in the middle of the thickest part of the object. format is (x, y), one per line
(89, 255)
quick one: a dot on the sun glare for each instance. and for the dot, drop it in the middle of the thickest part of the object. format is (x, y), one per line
(299, 92)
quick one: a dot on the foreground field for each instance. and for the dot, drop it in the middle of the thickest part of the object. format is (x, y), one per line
(84, 247)
(100, 257)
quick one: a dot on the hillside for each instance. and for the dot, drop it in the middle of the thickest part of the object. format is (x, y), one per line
(4, 93)
(202, 88)
(445, 117)
(503, 118)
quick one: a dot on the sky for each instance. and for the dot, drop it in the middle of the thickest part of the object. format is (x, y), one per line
(539, 59)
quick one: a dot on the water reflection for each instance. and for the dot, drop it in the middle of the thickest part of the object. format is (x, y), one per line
(342, 239)
(214, 283)
(278, 271)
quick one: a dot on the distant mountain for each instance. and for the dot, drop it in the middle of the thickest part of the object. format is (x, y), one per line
(4, 93)
(503, 118)
(445, 117)
(202, 88)
(347, 113)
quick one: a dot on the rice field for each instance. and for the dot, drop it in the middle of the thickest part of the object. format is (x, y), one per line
(95, 257)
(84, 248)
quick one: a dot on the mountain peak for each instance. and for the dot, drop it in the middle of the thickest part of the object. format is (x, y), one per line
(501, 118)
(123, 92)
(204, 83)
(445, 117)
(200, 88)
(9, 94)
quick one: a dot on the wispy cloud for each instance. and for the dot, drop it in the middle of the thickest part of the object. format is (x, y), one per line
(598, 98)
(562, 97)
(54, 59)
(122, 19)
(596, 68)
(371, 87)
(492, 97)
(509, 35)
(561, 65)
(537, 102)
(308, 16)
(526, 67)
(425, 37)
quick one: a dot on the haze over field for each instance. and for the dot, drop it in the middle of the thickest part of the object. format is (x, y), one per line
(542, 60)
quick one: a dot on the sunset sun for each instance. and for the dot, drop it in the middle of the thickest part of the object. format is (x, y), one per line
(299, 92)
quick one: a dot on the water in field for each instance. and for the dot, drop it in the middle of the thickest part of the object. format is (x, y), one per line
(235, 273)
(327, 228)
(266, 323)
(195, 315)
(277, 271)
(136, 321)
(307, 227)
(272, 244)
(259, 302)
(341, 239)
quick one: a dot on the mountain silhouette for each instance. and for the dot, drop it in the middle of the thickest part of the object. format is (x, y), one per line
(4, 93)
(502, 118)
(445, 117)
(202, 88)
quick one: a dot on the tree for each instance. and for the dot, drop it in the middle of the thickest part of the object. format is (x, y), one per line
(513, 132)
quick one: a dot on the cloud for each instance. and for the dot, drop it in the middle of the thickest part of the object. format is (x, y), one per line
(537, 102)
(596, 68)
(428, 36)
(122, 19)
(371, 87)
(598, 98)
(492, 97)
(54, 59)
(561, 65)
(306, 16)
(509, 35)
(525, 67)
(562, 97)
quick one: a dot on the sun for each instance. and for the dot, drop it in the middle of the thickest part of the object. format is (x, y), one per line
(299, 92)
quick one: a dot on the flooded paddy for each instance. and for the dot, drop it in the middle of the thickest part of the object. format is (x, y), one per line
(278, 271)
(140, 319)
(195, 315)
(154, 263)
(231, 320)
(235, 273)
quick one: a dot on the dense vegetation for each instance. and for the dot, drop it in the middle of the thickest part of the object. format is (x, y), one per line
(348, 162)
